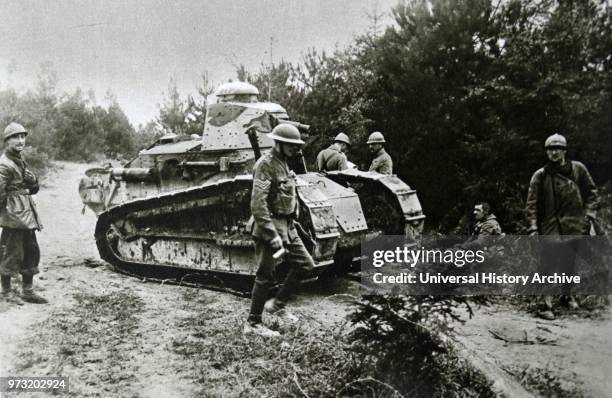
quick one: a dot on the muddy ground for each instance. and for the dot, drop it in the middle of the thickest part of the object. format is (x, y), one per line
(114, 335)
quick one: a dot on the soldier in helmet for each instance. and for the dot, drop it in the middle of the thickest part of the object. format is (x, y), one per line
(274, 206)
(562, 199)
(382, 162)
(334, 157)
(19, 252)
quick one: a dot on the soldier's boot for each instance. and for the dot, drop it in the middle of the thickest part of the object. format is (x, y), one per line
(28, 295)
(11, 297)
(7, 294)
(276, 307)
(259, 329)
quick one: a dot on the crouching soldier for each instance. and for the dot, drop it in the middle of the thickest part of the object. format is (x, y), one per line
(486, 222)
(274, 206)
(485, 227)
(19, 252)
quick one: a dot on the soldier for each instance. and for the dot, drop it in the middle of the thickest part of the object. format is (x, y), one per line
(334, 157)
(486, 222)
(19, 252)
(382, 162)
(486, 225)
(274, 206)
(562, 199)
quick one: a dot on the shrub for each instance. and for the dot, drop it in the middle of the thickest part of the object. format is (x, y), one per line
(406, 341)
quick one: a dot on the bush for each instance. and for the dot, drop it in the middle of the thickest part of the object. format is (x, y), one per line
(38, 161)
(405, 340)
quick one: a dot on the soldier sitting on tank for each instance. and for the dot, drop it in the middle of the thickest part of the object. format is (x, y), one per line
(274, 206)
(334, 157)
(382, 162)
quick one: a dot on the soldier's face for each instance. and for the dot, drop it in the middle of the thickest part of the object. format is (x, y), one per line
(556, 154)
(290, 150)
(16, 142)
(478, 212)
(375, 148)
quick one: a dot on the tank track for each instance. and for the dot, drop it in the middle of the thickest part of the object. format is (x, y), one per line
(107, 239)
(389, 205)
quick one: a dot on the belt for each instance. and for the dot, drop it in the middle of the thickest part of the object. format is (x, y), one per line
(284, 216)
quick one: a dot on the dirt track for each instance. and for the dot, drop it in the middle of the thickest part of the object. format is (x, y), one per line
(114, 335)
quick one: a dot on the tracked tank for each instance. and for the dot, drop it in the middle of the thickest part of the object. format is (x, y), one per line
(180, 210)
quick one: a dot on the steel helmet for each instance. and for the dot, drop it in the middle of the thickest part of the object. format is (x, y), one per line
(556, 140)
(286, 133)
(376, 138)
(13, 129)
(341, 137)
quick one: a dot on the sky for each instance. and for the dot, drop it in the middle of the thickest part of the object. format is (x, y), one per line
(134, 47)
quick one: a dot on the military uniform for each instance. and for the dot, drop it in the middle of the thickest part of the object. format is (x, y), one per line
(483, 230)
(382, 163)
(19, 252)
(560, 198)
(487, 227)
(331, 159)
(560, 201)
(274, 206)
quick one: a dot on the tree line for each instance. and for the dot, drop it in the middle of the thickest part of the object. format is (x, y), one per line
(465, 92)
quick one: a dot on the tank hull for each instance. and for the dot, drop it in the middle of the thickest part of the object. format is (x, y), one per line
(201, 234)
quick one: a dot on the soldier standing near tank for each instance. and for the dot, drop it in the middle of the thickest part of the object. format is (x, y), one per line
(19, 252)
(562, 200)
(274, 206)
(382, 162)
(334, 157)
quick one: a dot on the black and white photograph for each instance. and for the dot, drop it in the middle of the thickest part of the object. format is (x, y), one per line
(366, 198)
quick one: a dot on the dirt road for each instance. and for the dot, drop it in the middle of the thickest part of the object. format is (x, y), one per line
(113, 335)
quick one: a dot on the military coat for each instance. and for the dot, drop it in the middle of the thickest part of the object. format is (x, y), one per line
(273, 198)
(17, 184)
(382, 163)
(331, 159)
(558, 203)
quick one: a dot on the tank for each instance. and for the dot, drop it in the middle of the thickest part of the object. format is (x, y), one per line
(180, 210)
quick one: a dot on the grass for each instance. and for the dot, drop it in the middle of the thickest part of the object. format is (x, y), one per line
(309, 360)
(98, 329)
(541, 381)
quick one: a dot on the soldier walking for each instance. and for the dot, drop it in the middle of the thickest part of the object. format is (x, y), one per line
(382, 162)
(334, 157)
(274, 206)
(19, 252)
(562, 199)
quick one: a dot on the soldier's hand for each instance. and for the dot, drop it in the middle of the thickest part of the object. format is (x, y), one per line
(29, 177)
(276, 243)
